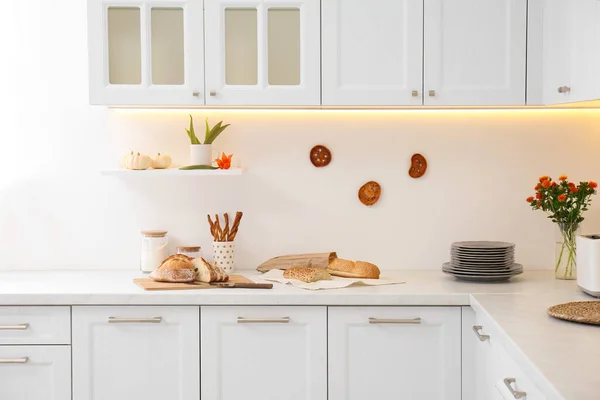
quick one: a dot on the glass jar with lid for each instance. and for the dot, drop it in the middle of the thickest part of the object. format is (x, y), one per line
(190, 251)
(154, 249)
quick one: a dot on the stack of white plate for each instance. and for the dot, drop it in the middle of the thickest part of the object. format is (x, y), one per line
(482, 261)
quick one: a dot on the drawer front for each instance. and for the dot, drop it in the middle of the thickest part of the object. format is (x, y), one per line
(35, 325)
(394, 353)
(35, 372)
(513, 382)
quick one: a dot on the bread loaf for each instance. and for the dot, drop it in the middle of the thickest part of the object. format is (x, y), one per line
(353, 269)
(307, 274)
(208, 272)
(177, 268)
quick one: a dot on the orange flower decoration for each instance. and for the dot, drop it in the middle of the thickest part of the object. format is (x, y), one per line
(563, 178)
(538, 196)
(546, 184)
(562, 197)
(224, 162)
(554, 184)
(571, 184)
(538, 187)
(593, 185)
(530, 199)
(574, 190)
(544, 178)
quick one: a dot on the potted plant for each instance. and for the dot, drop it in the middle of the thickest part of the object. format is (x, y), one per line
(201, 153)
(565, 203)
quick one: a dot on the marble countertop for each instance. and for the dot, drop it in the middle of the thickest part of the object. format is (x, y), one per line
(562, 358)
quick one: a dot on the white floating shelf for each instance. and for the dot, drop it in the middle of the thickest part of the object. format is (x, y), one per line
(172, 172)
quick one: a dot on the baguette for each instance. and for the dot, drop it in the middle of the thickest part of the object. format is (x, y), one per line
(177, 268)
(307, 274)
(353, 269)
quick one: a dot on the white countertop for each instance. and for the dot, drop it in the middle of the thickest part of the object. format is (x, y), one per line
(117, 287)
(562, 358)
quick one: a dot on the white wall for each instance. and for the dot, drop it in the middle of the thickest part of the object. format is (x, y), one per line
(56, 211)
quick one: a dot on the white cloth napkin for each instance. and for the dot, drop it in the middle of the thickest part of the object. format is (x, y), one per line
(276, 275)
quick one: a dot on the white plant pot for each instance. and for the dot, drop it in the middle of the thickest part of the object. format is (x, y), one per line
(224, 255)
(201, 154)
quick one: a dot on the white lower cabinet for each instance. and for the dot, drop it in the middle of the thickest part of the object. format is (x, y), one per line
(35, 372)
(513, 383)
(124, 353)
(267, 353)
(394, 353)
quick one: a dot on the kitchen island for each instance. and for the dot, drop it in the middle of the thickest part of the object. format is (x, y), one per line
(560, 358)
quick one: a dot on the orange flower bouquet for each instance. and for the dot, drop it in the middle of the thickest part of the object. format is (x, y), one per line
(565, 203)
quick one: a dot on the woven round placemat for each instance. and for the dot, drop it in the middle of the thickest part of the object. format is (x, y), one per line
(585, 312)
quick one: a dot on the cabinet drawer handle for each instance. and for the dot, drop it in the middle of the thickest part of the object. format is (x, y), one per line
(516, 394)
(415, 93)
(481, 337)
(394, 321)
(20, 327)
(242, 320)
(14, 360)
(153, 320)
(564, 89)
(432, 93)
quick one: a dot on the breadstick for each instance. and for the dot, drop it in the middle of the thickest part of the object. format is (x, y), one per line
(219, 237)
(226, 229)
(236, 225)
(212, 227)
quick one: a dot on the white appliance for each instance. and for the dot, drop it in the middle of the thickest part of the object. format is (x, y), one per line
(588, 264)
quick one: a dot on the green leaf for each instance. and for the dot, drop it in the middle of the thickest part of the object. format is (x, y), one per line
(191, 133)
(215, 132)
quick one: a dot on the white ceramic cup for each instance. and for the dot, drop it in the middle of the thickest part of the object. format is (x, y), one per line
(224, 255)
(201, 154)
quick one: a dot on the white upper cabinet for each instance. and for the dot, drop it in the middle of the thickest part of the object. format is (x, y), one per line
(124, 353)
(475, 52)
(146, 52)
(263, 52)
(389, 353)
(571, 44)
(267, 353)
(372, 52)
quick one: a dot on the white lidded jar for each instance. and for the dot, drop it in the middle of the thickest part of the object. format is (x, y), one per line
(154, 249)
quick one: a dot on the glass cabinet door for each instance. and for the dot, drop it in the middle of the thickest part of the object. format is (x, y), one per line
(263, 53)
(146, 53)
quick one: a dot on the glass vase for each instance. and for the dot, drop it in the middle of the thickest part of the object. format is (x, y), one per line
(565, 251)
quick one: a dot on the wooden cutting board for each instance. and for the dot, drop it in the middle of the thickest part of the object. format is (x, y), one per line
(149, 284)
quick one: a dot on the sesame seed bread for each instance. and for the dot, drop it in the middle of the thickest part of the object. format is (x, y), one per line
(307, 274)
(353, 269)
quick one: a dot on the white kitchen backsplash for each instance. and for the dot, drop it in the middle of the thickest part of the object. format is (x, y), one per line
(57, 211)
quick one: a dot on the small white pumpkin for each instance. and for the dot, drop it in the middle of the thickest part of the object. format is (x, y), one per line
(161, 161)
(137, 161)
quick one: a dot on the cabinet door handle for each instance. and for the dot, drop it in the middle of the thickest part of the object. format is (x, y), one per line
(153, 320)
(564, 89)
(477, 329)
(14, 360)
(516, 394)
(20, 327)
(213, 93)
(242, 320)
(415, 93)
(432, 93)
(394, 321)
(196, 93)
